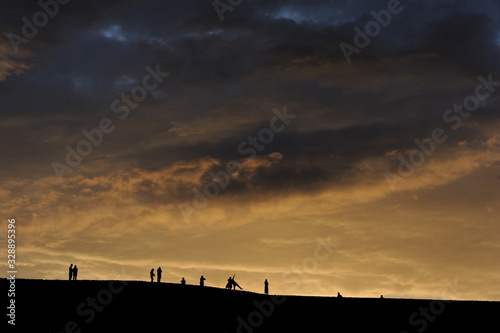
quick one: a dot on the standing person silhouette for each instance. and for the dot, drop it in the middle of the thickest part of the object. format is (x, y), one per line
(75, 272)
(235, 284)
(202, 281)
(183, 281)
(266, 287)
(158, 272)
(152, 274)
(70, 272)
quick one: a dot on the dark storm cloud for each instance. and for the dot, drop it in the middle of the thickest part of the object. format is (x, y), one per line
(273, 51)
(468, 41)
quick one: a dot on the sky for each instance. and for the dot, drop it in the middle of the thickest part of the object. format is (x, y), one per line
(327, 146)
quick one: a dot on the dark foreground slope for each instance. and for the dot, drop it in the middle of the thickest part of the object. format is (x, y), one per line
(117, 306)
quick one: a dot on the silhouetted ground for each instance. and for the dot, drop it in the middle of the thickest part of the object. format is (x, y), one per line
(107, 306)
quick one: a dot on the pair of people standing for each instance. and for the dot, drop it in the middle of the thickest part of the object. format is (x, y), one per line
(152, 274)
(73, 272)
(231, 283)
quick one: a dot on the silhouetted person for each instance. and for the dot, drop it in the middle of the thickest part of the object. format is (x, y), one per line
(202, 281)
(266, 287)
(158, 272)
(75, 272)
(183, 282)
(229, 284)
(232, 283)
(338, 295)
(70, 272)
(152, 274)
(235, 284)
(381, 296)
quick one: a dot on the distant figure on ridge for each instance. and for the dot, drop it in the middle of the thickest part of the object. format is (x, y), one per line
(235, 284)
(152, 274)
(75, 272)
(70, 272)
(202, 281)
(158, 272)
(266, 287)
(232, 283)
(229, 284)
(338, 295)
(183, 282)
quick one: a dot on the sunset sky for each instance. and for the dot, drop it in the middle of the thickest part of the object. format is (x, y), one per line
(344, 193)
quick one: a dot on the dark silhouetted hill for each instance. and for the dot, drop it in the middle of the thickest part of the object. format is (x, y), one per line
(134, 306)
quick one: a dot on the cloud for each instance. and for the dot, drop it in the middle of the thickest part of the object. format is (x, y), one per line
(13, 64)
